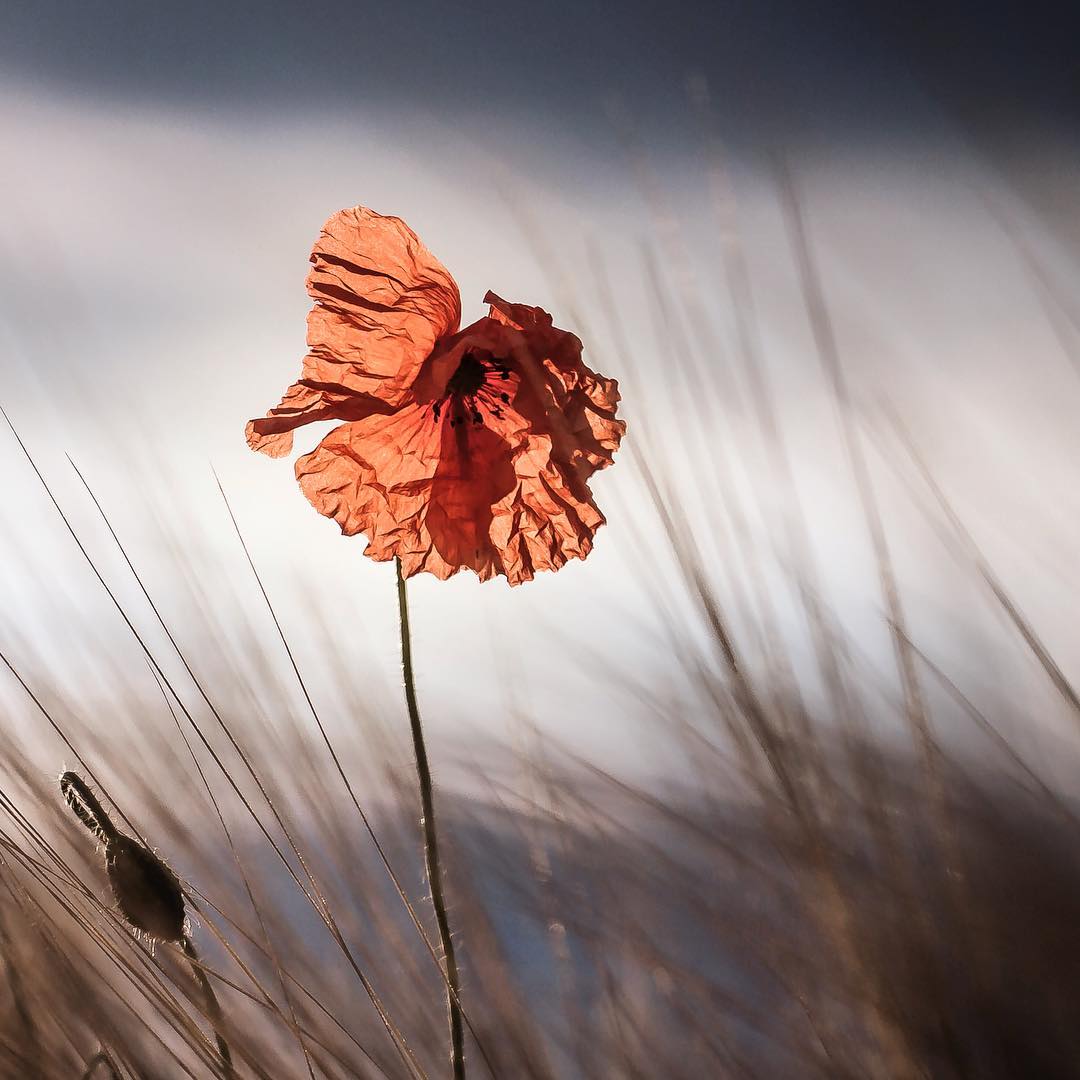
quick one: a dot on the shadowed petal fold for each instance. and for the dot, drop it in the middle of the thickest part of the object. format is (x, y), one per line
(579, 404)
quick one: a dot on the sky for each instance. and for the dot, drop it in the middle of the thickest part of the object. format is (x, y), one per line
(167, 170)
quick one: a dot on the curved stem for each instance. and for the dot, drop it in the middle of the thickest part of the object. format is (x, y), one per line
(213, 1009)
(432, 860)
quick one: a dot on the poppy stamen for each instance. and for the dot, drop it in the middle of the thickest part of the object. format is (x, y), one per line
(464, 386)
(468, 378)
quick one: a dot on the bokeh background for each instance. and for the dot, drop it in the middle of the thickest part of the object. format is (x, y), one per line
(657, 177)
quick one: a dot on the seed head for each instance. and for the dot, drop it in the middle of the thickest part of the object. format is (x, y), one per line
(147, 892)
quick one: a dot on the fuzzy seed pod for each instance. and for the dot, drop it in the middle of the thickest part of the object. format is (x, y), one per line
(147, 892)
(149, 896)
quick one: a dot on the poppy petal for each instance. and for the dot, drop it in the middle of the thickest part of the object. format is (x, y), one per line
(304, 403)
(382, 300)
(548, 519)
(578, 404)
(489, 498)
(418, 488)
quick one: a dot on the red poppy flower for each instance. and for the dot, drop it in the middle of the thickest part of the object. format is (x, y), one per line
(460, 448)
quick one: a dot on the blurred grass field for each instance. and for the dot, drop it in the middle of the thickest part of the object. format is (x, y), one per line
(744, 809)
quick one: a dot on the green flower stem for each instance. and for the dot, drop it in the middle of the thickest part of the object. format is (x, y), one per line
(431, 839)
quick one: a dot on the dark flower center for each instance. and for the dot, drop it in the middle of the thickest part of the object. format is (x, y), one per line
(468, 378)
(467, 390)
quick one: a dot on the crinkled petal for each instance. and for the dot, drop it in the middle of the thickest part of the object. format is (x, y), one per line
(418, 488)
(596, 431)
(304, 403)
(486, 497)
(549, 517)
(382, 300)
(570, 399)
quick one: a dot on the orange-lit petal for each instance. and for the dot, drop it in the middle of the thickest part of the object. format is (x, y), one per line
(486, 497)
(572, 400)
(382, 300)
(418, 488)
(304, 403)
(548, 519)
